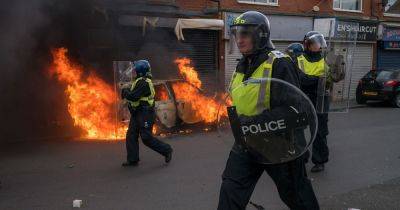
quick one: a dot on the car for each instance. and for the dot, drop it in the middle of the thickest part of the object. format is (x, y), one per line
(381, 85)
(170, 111)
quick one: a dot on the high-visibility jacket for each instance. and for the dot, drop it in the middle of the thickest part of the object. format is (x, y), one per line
(311, 68)
(253, 98)
(149, 99)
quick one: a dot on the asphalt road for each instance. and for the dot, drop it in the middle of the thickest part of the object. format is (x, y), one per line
(363, 172)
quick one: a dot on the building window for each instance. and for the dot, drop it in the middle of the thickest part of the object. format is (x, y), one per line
(348, 5)
(262, 2)
(392, 8)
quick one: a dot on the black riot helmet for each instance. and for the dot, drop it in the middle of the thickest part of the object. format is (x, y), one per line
(256, 25)
(295, 50)
(314, 39)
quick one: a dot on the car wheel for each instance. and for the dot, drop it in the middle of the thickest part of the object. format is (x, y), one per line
(396, 101)
(359, 98)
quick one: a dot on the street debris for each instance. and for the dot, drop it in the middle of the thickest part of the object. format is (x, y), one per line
(77, 203)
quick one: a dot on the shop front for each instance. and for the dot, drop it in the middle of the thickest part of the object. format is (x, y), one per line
(355, 41)
(388, 52)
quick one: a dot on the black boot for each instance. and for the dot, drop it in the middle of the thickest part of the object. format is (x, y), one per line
(168, 156)
(317, 168)
(130, 163)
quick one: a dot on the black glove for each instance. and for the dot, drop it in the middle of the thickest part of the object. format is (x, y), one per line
(124, 93)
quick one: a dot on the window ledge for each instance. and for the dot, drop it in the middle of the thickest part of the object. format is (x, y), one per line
(259, 3)
(391, 15)
(347, 10)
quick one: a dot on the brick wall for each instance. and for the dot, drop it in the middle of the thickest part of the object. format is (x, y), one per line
(285, 6)
(299, 7)
(196, 5)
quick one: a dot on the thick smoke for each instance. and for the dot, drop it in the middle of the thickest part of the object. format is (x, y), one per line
(30, 101)
(33, 105)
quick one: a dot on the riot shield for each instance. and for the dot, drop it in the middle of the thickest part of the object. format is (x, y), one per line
(277, 127)
(334, 86)
(122, 79)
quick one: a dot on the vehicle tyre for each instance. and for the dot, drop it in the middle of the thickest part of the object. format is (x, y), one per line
(359, 98)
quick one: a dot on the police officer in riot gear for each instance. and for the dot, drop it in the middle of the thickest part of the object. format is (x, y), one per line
(140, 97)
(313, 71)
(252, 34)
(295, 50)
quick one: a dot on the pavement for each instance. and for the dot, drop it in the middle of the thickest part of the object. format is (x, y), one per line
(363, 171)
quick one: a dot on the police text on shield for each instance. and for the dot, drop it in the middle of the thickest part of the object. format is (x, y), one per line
(264, 127)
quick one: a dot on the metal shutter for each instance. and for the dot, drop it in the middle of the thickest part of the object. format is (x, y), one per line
(201, 46)
(388, 59)
(231, 61)
(281, 46)
(362, 63)
(161, 47)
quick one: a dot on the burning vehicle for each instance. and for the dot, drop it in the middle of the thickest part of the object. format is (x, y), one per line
(98, 111)
(177, 101)
(168, 105)
(171, 112)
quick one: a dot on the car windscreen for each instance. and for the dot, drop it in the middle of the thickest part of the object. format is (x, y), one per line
(161, 93)
(385, 75)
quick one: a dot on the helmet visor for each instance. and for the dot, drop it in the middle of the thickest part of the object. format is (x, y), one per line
(242, 31)
(316, 42)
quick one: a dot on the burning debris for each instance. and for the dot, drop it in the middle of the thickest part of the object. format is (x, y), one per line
(205, 108)
(92, 102)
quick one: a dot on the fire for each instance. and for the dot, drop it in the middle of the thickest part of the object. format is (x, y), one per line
(91, 100)
(206, 108)
(161, 94)
(188, 72)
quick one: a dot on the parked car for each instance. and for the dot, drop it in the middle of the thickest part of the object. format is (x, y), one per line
(382, 85)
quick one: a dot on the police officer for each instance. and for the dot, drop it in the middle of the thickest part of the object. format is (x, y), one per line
(140, 97)
(252, 34)
(295, 50)
(313, 70)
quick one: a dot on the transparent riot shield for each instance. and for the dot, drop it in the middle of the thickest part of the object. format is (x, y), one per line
(334, 86)
(122, 79)
(269, 119)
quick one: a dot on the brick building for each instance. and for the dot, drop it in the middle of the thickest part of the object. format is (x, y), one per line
(145, 29)
(291, 20)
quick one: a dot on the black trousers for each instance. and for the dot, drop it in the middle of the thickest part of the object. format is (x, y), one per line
(320, 150)
(141, 123)
(242, 173)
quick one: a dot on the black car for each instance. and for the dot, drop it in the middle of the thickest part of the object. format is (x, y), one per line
(383, 85)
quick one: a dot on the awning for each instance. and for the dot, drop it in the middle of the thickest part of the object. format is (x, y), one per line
(208, 24)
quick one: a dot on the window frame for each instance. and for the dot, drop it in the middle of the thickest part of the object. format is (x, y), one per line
(347, 10)
(387, 14)
(259, 3)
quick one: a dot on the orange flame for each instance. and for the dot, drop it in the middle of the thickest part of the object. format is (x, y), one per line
(161, 94)
(188, 72)
(91, 100)
(206, 108)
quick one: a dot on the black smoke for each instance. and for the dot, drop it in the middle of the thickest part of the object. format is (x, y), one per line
(32, 104)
